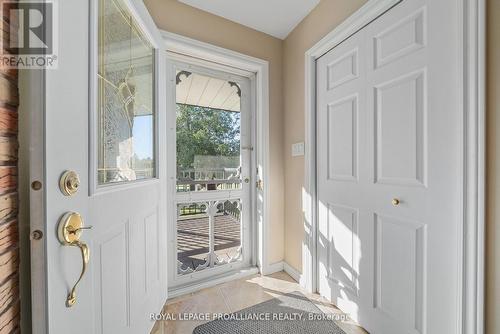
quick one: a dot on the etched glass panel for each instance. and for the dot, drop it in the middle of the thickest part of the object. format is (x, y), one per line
(126, 82)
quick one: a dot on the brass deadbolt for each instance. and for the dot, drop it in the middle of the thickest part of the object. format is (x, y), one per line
(69, 183)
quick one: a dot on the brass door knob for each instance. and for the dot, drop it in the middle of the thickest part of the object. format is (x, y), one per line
(395, 201)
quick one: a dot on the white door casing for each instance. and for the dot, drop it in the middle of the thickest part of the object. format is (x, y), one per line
(181, 48)
(126, 278)
(388, 129)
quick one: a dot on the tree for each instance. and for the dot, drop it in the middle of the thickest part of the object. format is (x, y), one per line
(206, 131)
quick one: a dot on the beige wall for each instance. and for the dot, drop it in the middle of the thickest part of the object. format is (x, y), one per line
(287, 116)
(493, 169)
(323, 19)
(188, 21)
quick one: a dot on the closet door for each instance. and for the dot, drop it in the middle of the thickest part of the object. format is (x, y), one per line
(389, 169)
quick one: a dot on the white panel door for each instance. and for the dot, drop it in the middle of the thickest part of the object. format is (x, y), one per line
(111, 136)
(389, 169)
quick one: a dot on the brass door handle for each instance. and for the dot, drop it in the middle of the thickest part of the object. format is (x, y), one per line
(69, 231)
(395, 201)
(71, 299)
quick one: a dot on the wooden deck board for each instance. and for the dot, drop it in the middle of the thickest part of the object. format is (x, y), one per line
(193, 239)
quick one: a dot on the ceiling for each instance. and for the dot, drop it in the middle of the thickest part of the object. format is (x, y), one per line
(274, 17)
(200, 90)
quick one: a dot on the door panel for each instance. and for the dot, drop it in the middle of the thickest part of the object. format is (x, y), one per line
(114, 311)
(124, 281)
(388, 238)
(399, 272)
(343, 139)
(400, 150)
(139, 271)
(341, 153)
(343, 69)
(400, 39)
(344, 256)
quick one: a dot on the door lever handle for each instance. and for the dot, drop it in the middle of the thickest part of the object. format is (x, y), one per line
(69, 232)
(71, 299)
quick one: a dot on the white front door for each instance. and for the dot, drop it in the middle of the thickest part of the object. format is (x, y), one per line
(389, 169)
(210, 230)
(104, 120)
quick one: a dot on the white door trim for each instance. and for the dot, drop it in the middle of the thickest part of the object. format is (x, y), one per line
(472, 60)
(258, 72)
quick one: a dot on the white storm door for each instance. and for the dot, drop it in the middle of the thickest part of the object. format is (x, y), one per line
(211, 229)
(110, 136)
(389, 168)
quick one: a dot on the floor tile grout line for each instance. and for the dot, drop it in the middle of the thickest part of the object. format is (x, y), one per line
(228, 309)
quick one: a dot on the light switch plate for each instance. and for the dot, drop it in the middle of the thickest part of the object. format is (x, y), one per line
(298, 149)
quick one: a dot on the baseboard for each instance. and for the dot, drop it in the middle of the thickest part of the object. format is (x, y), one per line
(272, 268)
(172, 293)
(292, 272)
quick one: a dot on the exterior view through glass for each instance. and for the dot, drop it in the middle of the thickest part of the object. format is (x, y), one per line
(209, 160)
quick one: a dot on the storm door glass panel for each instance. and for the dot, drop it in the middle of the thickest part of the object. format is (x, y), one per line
(208, 133)
(126, 108)
(227, 232)
(193, 237)
(209, 234)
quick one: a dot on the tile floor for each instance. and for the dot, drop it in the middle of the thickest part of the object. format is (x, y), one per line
(236, 295)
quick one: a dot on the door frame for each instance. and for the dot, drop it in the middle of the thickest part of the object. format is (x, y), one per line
(472, 59)
(257, 70)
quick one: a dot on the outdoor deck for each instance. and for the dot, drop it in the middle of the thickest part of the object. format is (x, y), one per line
(193, 239)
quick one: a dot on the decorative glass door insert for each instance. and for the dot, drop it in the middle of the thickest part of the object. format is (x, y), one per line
(126, 81)
(213, 148)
